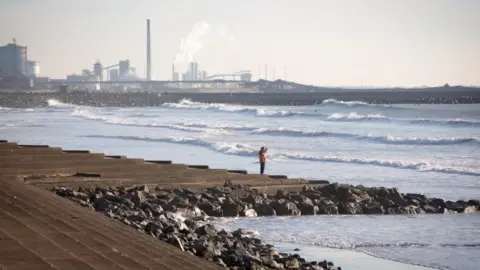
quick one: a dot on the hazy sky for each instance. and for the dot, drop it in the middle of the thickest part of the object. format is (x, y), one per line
(338, 42)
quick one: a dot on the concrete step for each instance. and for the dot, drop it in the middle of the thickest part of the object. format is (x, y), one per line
(53, 216)
(8, 145)
(161, 173)
(159, 161)
(101, 169)
(68, 163)
(72, 180)
(51, 157)
(30, 172)
(30, 151)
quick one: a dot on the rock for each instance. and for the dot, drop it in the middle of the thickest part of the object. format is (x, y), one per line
(285, 208)
(432, 210)
(292, 263)
(282, 194)
(437, 203)
(308, 208)
(405, 210)
(264, 210)
(254, 199)
(349, 209)
(231, 209)
(180, 202)
(154, 228)
(211, 209)
(458, 207)
(269, 261)
(327, 207)
(474, 202)
(138, 198)
(447, 211)
(207, 229)
(372, 208)
(101, 204)
(250, 213)
(80, 195)
(471, 209)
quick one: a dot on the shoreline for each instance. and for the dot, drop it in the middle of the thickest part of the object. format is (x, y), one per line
(151, 99)
(168, 202)
(181, 217)
(351, 259)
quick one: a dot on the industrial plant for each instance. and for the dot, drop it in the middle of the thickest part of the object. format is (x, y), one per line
(18, 72)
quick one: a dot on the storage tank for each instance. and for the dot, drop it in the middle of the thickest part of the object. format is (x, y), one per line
(20, 56)
(33, 69)
(13, 58)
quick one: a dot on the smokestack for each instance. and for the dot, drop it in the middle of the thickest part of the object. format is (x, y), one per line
(149, 54)
(173, 72)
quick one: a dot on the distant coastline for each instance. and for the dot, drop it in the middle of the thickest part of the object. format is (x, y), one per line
(438, 95)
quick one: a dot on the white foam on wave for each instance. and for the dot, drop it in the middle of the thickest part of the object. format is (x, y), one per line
(353, 116)
(261, 112)
(451, 122)
(59, 104)
(219, 126)
(332, 101)
(248, 150)
(378, 139)
(223, 147)
(109, 119)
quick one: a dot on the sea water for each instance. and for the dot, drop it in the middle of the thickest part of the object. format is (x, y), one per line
(430, 149)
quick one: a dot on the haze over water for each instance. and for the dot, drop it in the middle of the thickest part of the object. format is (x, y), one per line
(430, 149)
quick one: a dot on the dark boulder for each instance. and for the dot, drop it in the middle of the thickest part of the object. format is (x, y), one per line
(372, 208)
(285, 208)
(327, 207)
(264, 210)
(349, 208)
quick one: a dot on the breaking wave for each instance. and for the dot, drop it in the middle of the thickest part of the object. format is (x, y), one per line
(223, 147)
(379, 139)
(247, 150)
(88, 114)
(59, 104)
(354, 117)
(220, 107)
(332, 101)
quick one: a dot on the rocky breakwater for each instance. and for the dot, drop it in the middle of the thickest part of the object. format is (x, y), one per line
(180, 216)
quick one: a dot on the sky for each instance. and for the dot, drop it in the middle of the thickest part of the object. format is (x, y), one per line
(320, 42)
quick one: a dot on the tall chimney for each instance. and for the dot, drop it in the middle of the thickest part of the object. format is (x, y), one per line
(173, 72)
(149, 54)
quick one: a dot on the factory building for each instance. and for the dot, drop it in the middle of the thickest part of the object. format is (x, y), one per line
(98, 70)
(13, 59)
(124, 68)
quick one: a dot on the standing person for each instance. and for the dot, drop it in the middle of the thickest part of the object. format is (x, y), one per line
(262, 156)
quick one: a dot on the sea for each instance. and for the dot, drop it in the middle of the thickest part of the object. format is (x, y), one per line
(432, 149)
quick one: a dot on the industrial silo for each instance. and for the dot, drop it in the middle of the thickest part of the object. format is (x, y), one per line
(20, 56)
(13, 59)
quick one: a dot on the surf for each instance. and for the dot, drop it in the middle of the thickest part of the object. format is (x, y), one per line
(240, 149)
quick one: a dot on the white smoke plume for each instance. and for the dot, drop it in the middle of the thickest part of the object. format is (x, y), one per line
(195, 40)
